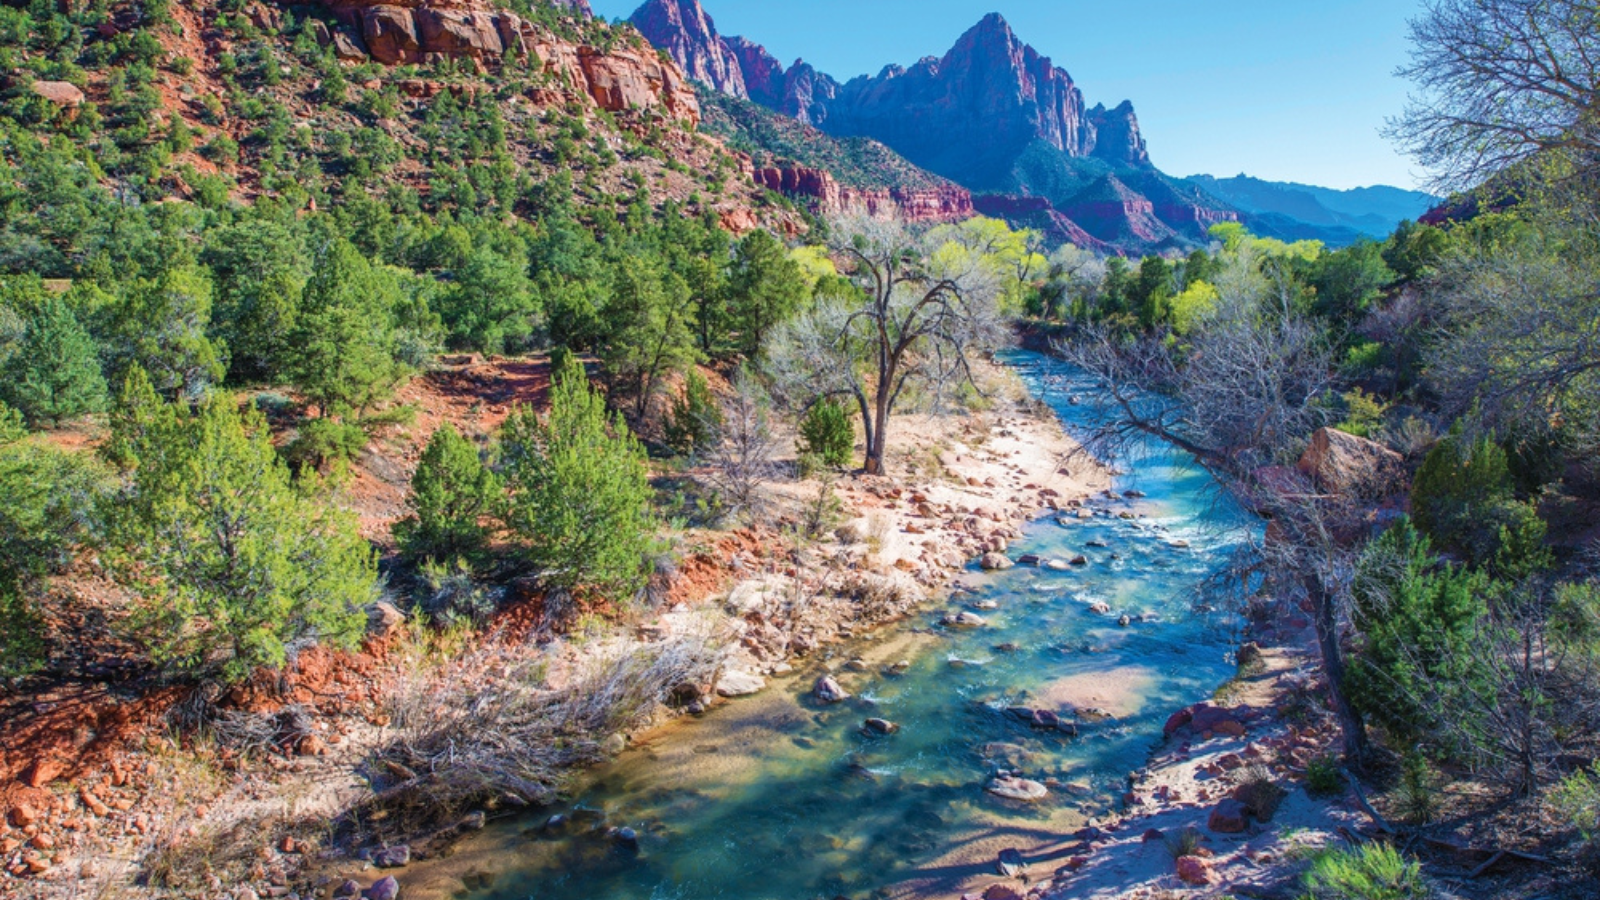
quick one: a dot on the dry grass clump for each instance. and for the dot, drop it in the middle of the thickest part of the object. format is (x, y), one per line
(1259, 793)
(487, 727)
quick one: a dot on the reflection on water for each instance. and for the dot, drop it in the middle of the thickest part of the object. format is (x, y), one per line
(776, 797)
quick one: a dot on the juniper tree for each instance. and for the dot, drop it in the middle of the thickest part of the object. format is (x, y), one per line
(53, 373)
(451, 492)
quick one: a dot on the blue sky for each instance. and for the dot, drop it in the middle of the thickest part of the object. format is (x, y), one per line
(1287, 90)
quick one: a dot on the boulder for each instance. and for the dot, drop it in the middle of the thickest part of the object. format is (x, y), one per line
(384, 619)
(62, 93)
(386, 888)
(1229, 817)
(348, 47)
(1352, 466)
(1194, 870)
(1001, 892)
(995, 562)
(739, 683)
(391, 34)
(1019, 789)
(964, 620)
(828, 691)
(879, 726)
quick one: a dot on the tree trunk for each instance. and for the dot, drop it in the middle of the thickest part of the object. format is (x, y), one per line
(1327, 621)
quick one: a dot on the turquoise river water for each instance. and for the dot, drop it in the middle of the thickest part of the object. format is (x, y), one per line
(774, 797)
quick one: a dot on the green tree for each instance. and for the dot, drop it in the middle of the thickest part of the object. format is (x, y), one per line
(160, 324)
(53, 373)
(451, 492)
(260, 268)
(492, 304)
(1464, 497)
(827, 433)
(579, 492)
(765, 287)
(231, 562)
(648, 320)
(344, 336)
(696, 419)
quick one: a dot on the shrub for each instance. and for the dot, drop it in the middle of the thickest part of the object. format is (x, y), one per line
(1323, 778)
(1368, 872)
(322, 443)
(579, 492)
(1421, 628)
(451, 492)
(1185, 842)
(1464, 498)
(453, 596)
(1363, 414)
(827, 432)
(1259, 793)
(1577, 800)
(231, 563)
(1415, 794)
(695, 420)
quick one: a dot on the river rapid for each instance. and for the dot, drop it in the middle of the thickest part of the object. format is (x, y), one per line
(777, 797)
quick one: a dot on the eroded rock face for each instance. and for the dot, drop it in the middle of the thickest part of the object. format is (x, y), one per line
(404, 32)
(940, 204)
(682, 28)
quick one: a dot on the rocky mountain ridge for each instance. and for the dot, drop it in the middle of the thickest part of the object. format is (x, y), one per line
(992, 115)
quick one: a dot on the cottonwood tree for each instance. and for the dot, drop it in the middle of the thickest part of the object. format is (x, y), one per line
(911, 317)
(1499, 81)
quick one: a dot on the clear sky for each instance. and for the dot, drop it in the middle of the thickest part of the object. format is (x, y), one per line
(1287, 90)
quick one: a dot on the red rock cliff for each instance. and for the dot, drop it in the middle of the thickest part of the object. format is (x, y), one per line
(941, 204)
(421, 31)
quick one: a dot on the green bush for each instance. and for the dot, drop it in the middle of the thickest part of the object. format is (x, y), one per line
(579, 492)
(1323, 778)
(1577, 801)
(1420, 623)
(1368, 872)
(322, 443)
(826, 431)
(695, 420)
(1464, 497)
(451, 492)
(231, 563)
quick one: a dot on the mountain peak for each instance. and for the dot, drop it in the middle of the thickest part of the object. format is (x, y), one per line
(689, 35)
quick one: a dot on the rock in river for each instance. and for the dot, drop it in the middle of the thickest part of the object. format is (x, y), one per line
(964, 620)
(994, 562)
(739, 683)
(879, 726)
(1020, 789)
(828, 691)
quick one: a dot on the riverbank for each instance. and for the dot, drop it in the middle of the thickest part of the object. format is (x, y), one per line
(151, 809)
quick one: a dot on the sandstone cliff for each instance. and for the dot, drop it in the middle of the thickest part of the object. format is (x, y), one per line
(625, 77)
(829, 197)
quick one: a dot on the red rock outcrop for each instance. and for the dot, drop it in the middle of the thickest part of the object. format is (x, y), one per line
(419, 31)
(940, 204)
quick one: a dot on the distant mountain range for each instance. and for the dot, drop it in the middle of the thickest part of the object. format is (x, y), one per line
(993, 120)
(1297, 211)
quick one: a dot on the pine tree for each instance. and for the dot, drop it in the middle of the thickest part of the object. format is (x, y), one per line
(579, 492)
(232, 563)
(343, 346)
(765, 287)
(696, 419)
(451, 492)
(54, 373)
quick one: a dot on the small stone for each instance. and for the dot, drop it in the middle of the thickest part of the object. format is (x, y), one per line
(474, 821)
(1010, 862)
(614, 744)
(386, 888)
(392, 857)
(1124, 620)
(879, 726)
(828, 691)
(1001, 892)
(349, 889)
(41, 772)
(626, 838)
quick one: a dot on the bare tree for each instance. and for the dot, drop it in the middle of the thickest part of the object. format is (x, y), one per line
(1499, 81)
(914, 319)
(743, 459)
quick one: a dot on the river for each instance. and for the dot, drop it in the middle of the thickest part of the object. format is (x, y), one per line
(776, 797)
